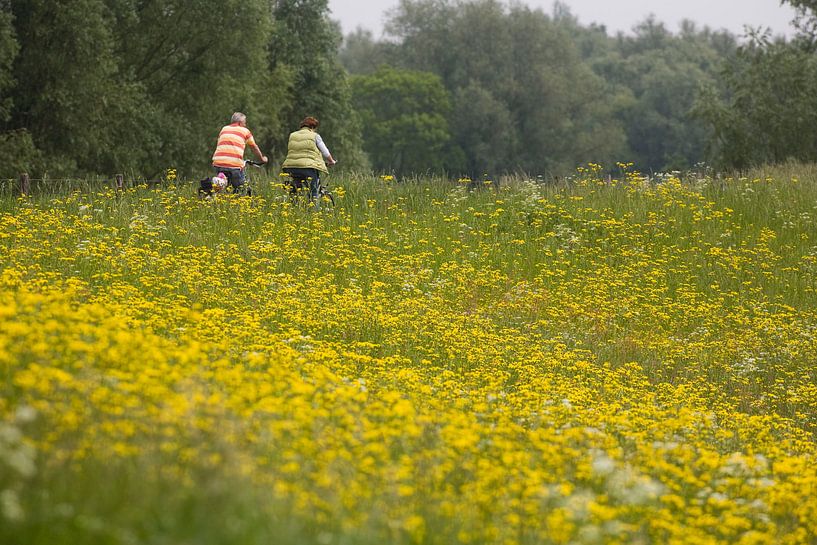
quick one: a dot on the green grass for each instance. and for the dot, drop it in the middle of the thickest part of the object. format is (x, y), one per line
(701, 283)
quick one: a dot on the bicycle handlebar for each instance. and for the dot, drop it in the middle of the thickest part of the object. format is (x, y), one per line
(253, 163)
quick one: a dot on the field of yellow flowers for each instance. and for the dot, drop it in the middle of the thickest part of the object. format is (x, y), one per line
(587, 362)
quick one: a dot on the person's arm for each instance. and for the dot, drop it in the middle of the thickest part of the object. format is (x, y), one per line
(255, 149)
(324, 150)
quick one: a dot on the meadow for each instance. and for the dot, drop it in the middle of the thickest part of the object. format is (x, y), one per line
(581, 362)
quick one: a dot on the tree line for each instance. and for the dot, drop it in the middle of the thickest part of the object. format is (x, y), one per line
(463, 87)
(138, 86)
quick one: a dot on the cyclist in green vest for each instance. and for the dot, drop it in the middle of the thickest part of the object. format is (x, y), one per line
(307, 157)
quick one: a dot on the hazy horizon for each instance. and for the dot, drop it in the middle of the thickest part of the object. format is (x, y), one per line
(616, 16)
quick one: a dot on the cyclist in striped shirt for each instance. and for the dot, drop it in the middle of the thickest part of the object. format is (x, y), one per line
(229, 155)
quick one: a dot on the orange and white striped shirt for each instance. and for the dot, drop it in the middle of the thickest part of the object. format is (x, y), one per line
(230, 148)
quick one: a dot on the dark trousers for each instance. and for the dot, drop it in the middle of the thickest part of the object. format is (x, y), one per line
(304, 177)
(235, 176)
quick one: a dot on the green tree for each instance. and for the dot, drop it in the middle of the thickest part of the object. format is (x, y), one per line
(767, 109)
(64, 77)
(18, 154)
(8, 51)
(768, 113)
(484, 129)
(806, 7)
(304, 42)
(524, 69)
(404, 117)
(103, 86)
(656, 77)
(192, 63)
(142, 85)
(17, 151)
(805, 22)
(361, 54)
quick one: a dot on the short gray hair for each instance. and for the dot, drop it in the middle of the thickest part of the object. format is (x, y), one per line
(238, 117)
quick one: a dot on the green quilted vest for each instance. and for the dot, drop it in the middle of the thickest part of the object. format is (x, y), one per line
(302, 152)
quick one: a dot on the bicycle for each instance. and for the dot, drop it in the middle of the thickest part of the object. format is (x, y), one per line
(247, 180)
(211, 186)
(298, 186)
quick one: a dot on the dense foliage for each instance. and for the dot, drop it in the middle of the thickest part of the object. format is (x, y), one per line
(655, 77)
(473, 87)
(522, 97)
(405, 119)
(540, 92)
(769, 114)
(104, 86)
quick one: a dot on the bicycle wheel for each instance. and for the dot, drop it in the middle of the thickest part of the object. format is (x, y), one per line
(296, 191)
(326, 199)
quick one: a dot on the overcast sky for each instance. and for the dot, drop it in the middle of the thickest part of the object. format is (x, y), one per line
(615, 14)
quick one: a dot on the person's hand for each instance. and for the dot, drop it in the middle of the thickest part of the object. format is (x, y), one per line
(264, 159)
(332, 161)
